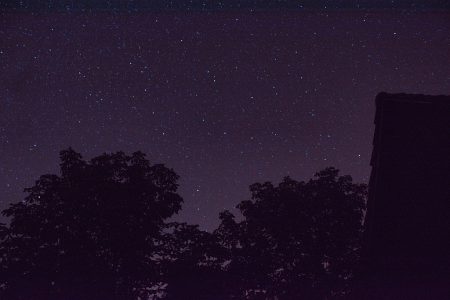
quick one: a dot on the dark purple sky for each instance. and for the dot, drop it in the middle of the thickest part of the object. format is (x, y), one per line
(226, 99)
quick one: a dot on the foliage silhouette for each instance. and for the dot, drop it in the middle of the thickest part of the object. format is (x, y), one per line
(89, 233)
(297, 240)
(100, 231)
(193, 266)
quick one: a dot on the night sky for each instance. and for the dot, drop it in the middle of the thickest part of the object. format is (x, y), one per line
(226, 98)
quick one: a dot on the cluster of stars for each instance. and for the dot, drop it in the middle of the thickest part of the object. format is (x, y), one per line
(226, 100)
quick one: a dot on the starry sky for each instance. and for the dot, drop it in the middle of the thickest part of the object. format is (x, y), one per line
(226, 98)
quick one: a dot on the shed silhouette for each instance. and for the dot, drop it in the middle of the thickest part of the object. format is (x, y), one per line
(406, 250)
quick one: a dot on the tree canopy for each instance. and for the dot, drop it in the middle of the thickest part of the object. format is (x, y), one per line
(101, 230)
(298, 240)
(91, 232)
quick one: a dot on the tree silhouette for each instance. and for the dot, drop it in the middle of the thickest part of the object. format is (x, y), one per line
(90, 233)
(193, 265)
(99, 230)
(298, 240)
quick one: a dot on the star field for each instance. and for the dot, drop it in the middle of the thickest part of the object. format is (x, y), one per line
(226, 99)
